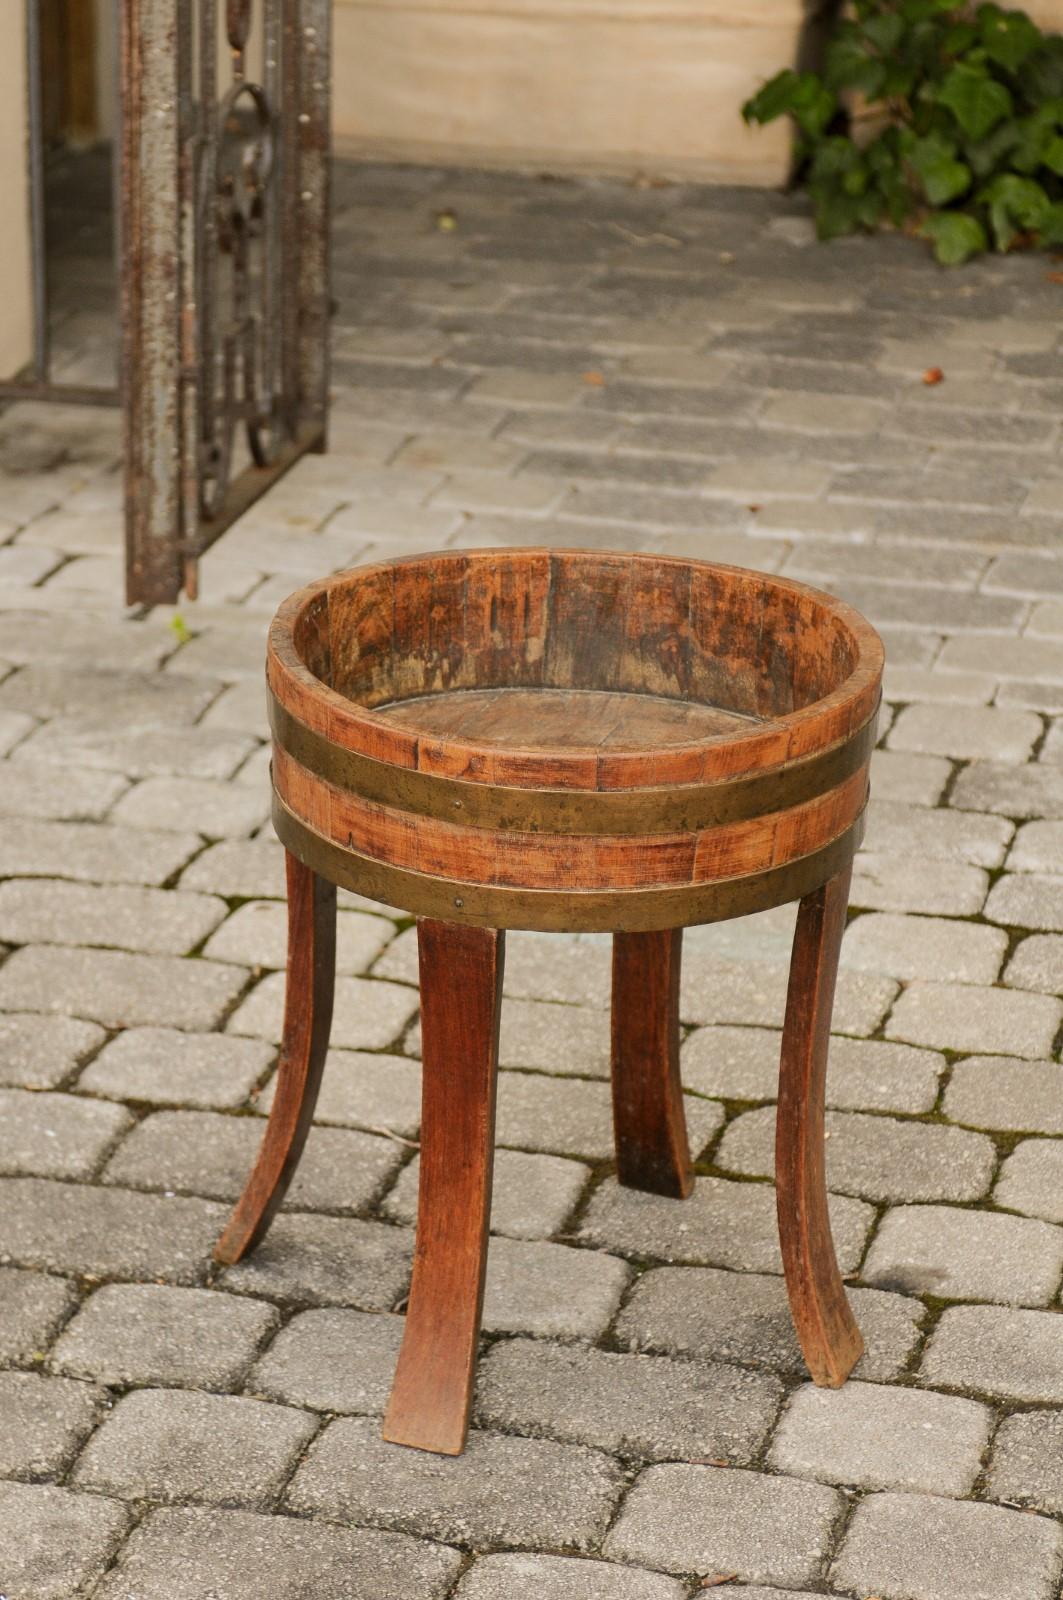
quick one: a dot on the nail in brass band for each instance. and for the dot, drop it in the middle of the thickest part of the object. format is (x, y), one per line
(563, 910)
(683, 808)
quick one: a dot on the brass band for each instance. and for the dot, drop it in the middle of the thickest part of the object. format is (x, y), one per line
(687, 808)
(562, 909)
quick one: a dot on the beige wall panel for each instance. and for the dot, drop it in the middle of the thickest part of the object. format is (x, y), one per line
(15, 299)
(619, 86)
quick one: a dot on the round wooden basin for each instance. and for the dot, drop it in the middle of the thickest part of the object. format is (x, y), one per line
(571, 739)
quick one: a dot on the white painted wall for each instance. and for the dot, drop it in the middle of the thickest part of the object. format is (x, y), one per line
(15, 302)
(611, 86)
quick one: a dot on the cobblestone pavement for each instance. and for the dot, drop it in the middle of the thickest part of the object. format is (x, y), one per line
(672, 369)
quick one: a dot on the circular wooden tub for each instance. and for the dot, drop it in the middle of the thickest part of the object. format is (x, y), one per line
(570, 739)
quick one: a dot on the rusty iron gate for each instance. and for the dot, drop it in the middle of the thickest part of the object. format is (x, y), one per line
(222, 199)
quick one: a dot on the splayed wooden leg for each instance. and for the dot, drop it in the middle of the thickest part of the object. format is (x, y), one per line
(826, 1328)
(308, 994)
(652, 1151)
(461, 992)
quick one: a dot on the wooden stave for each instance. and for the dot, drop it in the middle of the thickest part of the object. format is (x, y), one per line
(564, 910)
(770, 745)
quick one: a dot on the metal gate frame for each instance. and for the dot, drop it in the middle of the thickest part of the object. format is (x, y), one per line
(223, 258)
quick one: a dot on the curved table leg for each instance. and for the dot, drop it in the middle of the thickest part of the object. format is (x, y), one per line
(826, 1328)
(461, 993)
(649, 1121)
(308, 995)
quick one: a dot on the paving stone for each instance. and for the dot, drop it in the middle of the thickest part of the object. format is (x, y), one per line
(218, 810)
(33, 1307)
(917, 884)
(709, 1520)
(341, 1361)
(100, 695)
(45, 1422)
(1027, 900)
(328, 1261)
(966, 1255)
(920, 1547)
(965, 1017)
(532, 1195)
(181, 751)
(91, 853)
(154, 921)
(551, 1290)
(1001, 1352)
(896, 828)
(38, 792)
(862, 1074)
(1033, 790)
(165, 1067)
(1007, 1093)
(567, 1116)
(908, 779)
(57, 1135)
(712, 990)
(14, 727)
(871, 1436)
(1037, 963)
(54, 1544)
(171, 1445)
(200, 1152)
(127, 646)
(1017, 657)
(502, 1491)
(133, 1334)
(187, 1553)
(915, 947)
(42, 1052)
(722, 1224)
(257, 936)
(966, 732)
(118, 989)
(629, 1405)
(367, 1014)
(241, 869)
(534, 1577)
(62, 1227)
(1026, 1466)
(745, 1317)
(1037, 847)
(902, 684)
(558, 1039)
(876, 1157)
(1031, 1180)
(380, 1093)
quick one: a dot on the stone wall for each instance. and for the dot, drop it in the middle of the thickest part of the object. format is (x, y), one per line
(611, 86)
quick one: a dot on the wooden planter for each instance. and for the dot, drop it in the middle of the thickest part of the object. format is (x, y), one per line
(564, 740)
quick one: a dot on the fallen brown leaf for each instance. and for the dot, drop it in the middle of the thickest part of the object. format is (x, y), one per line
(595, 379)
(932, 376)
(446, 221)
(1054, 277)
(714, 1581)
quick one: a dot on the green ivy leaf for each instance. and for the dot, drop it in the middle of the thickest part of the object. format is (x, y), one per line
(986, 155)
(943, 177)
(847, 65)
(1015, 203)
(977, 101)
(775, 99)
(885, 31)
(1051, 229)
(956, 236)
(1009, 37)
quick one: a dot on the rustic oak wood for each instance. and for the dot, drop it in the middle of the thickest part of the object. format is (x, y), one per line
(649, 1122)
(826, 1328)
(308, 996)
(461, 994)
(564, 740)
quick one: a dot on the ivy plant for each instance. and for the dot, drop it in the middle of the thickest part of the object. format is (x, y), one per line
(941, 118)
